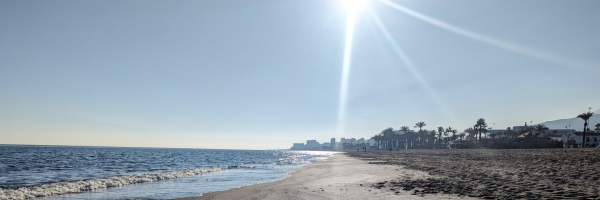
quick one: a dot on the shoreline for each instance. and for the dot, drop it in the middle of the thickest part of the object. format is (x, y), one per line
(338, 177)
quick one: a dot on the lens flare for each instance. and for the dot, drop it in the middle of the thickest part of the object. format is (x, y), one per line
(409, 65)
(492, 41)
(345, 74)
(355, 5)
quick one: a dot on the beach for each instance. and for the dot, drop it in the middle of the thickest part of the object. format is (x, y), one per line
(495, 173)
(339, 177)
(75, 172)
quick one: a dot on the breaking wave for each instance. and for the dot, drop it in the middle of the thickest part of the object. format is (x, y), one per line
(66, 187)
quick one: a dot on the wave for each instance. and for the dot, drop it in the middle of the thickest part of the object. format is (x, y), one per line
(66, 187)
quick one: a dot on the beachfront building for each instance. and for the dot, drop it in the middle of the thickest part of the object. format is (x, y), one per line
(575, 140)
(326, 145)
(351, 141)
(332, 143)
(312, 144)
(360, 141)
(399, 132)
(298, 146)
(497, 133)
(560, 131)
(520, 128)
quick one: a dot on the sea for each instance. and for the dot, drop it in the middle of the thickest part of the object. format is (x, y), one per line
(77, 172)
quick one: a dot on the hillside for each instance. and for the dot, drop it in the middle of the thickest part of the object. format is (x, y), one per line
(576, 123)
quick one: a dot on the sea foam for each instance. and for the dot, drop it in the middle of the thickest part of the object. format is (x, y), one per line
(66, 187)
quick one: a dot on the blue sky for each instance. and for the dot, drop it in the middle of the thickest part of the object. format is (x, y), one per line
(262, 74)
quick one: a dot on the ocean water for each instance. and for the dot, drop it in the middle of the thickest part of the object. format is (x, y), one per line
(67, 172)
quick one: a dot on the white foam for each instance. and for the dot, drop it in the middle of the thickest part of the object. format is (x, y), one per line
(298, 157)
(87, 185)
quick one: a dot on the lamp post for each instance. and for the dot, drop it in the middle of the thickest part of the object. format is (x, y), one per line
(569, 134)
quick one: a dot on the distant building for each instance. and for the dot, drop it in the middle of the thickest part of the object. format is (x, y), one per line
(521, 128)
(499, 133)
(298, 146)
(598, 128)
(312, 144)
(399, 132)
(576, 139)
(360, 141)
(559, 131)
(555, 137)
(333, 143)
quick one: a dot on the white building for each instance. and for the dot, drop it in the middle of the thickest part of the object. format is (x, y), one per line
(593, 139)
(298, 146)
(399, 132)
(360, 141)
(312, 144)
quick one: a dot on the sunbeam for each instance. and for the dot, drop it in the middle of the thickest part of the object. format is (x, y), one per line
(345, 74)
(353, 7)
(492, 41)
(409, 64)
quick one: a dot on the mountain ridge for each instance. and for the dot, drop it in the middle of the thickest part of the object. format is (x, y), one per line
(576, 123)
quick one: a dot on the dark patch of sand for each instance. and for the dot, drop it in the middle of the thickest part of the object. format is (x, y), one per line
(495, 174)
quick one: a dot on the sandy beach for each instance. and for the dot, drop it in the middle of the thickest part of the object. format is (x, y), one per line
(497, 174)
(339, 177)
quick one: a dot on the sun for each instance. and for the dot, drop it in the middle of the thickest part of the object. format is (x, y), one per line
(354, 6)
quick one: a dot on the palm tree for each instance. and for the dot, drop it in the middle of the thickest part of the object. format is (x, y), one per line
(377, 138)
(471, 133)
(405, 129)
(431, 137)
(440, 132)
(420, 125)
(409, 139)
(446, 138)
(401, 140)
(405, 137)
(388, 135)
(508, 132)
(480, 126)
(453, 131)
(462, 135)
(540, 128)
(586, 118)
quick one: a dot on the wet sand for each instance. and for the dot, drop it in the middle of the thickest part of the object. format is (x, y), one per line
(340, 177)
(496, 174)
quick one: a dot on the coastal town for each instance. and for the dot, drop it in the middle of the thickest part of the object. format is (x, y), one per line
(478, 136)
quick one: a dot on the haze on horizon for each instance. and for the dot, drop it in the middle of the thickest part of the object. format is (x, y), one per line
(263, 74)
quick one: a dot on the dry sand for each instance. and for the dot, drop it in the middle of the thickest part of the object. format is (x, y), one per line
(340, 177)
(497, 174)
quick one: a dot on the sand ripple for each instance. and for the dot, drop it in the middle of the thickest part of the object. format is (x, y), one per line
(497, 174)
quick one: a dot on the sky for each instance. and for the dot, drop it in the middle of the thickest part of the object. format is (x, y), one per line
(263, 74)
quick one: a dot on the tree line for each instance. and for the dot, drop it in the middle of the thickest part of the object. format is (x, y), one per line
(476, 136)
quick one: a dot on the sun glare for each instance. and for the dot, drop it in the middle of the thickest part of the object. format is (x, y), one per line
(353, 6)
